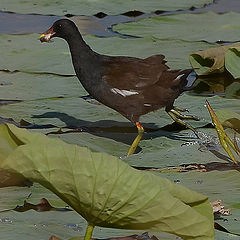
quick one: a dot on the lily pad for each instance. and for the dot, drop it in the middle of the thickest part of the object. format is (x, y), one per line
(233, 90)
(229, 119)
(232, 58)
(217, 60)
(55, 57)
(176, 52)
(80, 177)
(25, 47)
(88, 7)
(217, 185)
(212, 60)
(189, 27)
(40, 87)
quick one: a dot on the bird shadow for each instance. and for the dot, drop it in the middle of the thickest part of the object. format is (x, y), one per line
(124, 132)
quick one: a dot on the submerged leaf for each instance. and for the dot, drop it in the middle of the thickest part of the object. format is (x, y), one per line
(106, 191)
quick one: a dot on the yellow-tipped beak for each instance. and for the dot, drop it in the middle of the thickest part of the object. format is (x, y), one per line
(42, 35)
(46, 37)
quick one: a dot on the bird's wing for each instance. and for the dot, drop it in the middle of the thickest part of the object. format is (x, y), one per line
(128, 73)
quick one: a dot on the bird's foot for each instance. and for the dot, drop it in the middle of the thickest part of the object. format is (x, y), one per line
(175, 114)
(225, 141)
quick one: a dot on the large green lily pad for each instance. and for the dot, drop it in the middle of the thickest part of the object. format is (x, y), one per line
(93, 183)
(30, 55)
(88, 7)
(189, 27)
(217, 185)
(40, 86)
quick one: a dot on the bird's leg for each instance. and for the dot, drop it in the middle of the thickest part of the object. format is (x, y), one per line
(225, 141)
(175, 114)
(137, 139)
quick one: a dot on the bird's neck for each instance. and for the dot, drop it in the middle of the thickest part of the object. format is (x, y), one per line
(80, 51)
(85, 61)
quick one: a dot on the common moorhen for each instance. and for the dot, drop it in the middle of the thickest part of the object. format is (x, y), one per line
(129, 85)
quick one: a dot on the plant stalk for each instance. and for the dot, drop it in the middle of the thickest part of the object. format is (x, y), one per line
(88, 234)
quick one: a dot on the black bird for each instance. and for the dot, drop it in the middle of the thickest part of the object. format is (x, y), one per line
(129, 85)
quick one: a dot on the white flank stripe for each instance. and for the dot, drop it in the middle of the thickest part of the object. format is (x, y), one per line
(179, 76)
(123, 92)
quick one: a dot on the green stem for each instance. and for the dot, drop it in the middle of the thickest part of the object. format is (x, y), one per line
(88, 234)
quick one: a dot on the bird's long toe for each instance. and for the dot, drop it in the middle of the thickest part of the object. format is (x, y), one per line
(178, 117)
(180, 109)
(182, 116)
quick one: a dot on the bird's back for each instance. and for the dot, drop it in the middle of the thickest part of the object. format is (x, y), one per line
(138, 86)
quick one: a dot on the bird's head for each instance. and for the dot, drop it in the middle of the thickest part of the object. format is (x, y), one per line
(62, 28)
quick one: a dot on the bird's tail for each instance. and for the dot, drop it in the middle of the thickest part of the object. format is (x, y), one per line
(189, 79)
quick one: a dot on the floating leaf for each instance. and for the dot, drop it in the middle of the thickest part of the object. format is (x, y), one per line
(229, 119)
(55, 58)
(89, 7)
(211, 60)
(233, 90)
(106, 191)
(232, 60)
(217, 60)
(174, 27)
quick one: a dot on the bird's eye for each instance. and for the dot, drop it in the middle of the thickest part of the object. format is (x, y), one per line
(60, 25)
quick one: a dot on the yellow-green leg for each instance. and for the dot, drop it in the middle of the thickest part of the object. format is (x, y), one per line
(88, 234)
(136, 141)
(225, 141)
